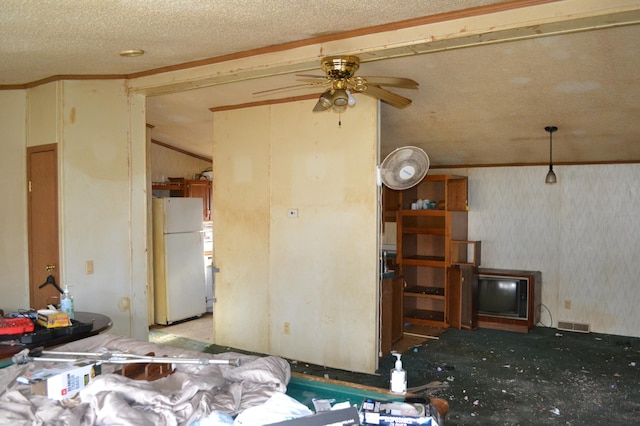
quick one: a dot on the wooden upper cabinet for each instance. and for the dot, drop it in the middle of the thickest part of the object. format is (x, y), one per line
(181, 187)
(201, 189)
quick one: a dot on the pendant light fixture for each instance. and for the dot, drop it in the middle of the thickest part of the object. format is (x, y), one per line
(551, 176)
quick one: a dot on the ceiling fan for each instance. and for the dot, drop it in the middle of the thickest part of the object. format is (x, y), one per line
(342, 83)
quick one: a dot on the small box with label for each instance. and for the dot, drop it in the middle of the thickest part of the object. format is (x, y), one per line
(51, 318)
(61, 382)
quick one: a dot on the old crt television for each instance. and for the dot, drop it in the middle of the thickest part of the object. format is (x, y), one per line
(503, 296)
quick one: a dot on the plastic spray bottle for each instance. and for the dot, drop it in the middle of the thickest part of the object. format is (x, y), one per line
(66, 302)
(398, 376)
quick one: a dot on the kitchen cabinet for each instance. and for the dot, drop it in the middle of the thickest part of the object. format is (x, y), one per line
(194, 188)
(425, 252)
(201, 189)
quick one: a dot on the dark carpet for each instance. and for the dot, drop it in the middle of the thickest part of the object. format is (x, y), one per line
(543, 377)
(503, 378)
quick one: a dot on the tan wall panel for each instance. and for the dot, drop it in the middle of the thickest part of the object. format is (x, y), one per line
(316, 272)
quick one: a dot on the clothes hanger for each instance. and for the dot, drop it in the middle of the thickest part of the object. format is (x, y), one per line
(51, 280)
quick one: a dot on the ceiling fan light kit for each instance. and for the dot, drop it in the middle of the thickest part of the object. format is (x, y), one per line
(551, 176)
(340, 98)
(351, 98)
(339, 75)
(325, 102)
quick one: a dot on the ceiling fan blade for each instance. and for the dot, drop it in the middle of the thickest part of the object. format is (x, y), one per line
(313, 81)
(390, 98)
(405, 83)
(311, 75)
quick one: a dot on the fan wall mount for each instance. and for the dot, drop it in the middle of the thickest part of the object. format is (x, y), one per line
(404, 168)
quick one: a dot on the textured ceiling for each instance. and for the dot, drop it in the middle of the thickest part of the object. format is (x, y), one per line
(486, 104)
(41, 38)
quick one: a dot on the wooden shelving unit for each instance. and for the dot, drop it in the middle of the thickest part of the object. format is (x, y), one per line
(424, 246)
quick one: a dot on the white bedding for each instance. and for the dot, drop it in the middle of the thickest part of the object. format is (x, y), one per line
(189, 394)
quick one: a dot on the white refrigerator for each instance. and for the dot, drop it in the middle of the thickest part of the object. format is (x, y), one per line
(178, 261)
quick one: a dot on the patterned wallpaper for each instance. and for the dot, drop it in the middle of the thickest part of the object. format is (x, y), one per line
(582, 233)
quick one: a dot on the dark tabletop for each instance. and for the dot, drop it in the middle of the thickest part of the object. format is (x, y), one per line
(98, 323)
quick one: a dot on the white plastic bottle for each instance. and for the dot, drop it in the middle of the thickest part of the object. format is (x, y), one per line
(398, 376)
(66, 302)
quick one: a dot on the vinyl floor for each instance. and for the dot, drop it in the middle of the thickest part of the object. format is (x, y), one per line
(492, 377)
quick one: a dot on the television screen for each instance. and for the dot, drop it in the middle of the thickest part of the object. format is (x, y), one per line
(498, 296)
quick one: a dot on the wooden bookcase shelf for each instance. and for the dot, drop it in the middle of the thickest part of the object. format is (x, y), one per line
(422, 291)
(424, 247)
(424, 316)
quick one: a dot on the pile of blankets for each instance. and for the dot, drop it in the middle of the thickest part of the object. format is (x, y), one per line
(188, 395)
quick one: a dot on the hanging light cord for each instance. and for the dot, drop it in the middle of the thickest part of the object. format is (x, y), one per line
(551, 150)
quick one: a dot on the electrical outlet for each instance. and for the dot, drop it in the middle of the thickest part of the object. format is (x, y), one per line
(567, 304)
(287, 328)
(292, 213)
(89, 267)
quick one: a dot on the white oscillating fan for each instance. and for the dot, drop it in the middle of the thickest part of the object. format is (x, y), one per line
(404, 167)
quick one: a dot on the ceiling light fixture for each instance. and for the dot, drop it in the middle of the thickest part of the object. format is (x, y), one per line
(325, 101)
(131, 53)
(340, 98)
(337, 98)
(551, 176)
(352, 100)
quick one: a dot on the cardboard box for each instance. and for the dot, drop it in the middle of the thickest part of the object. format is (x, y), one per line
(385, 413)
(51, 318)
(61, 381)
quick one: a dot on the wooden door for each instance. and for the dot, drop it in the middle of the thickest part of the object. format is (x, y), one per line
(42, 210)
(462, 289)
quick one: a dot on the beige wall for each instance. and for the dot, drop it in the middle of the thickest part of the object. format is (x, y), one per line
(102, 194)
(96, 207)
(316, 272)
(43, 119)
(14, 267)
